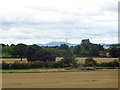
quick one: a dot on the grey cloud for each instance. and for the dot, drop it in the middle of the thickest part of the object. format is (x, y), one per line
(64, 23)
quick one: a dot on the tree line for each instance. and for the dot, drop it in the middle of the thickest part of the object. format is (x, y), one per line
(40, 53)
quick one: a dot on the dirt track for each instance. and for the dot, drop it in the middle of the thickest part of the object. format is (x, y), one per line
(89, 79)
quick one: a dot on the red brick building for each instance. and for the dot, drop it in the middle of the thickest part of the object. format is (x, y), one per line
(102, 53)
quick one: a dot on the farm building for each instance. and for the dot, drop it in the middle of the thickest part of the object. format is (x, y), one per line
(102, 53)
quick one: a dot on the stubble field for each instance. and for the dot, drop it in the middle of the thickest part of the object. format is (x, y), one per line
(80, 59)
(83, 79)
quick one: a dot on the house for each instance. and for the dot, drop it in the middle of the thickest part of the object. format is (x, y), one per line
(102, 53)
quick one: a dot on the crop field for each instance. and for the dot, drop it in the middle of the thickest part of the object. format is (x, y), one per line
(87, 79)
(12, 60)
(80, 59)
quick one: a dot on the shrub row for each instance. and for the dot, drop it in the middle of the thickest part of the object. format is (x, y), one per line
(89, 62)
(36, 64)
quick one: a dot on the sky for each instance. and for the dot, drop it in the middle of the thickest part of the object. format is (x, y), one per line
(43, 21)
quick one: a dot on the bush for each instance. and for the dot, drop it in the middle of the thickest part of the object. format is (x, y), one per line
(90, 62)
(25, 66)
(49, 64)
(69, 59)
(15, 65)
(5, 65)
(36, 64)
(114, 63)
(58, 64)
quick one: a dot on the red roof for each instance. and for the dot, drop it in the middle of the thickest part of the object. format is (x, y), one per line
(102, 53)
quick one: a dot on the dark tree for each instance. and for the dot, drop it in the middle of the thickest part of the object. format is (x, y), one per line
(12, 45)
(69, 59)
(20, 50)
(32, 49)
(114, 51)
(44, 55)
(7, 50)
(3, 45)
(64, 46)
(90, 62)
(77, 50)
(94, 50)
(7, 45)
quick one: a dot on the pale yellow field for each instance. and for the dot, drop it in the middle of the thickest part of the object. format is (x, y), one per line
(12, 60)
(80, 59)
(89, 79)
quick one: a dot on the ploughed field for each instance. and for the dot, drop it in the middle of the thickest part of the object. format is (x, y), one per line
(80, 59)
(83, 79)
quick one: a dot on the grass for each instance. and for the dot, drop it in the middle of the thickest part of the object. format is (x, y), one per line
(5, 55)
(9, 71)
(26, 70)
(46, 70)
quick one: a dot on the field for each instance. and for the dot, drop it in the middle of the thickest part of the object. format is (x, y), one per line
(12, 60)
(59, 78)
(83, 79)
(80, 59)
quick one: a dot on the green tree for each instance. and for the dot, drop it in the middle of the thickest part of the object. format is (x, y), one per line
(77, 50)
(31, 50)
(94, 50)
(64, 46)
(84, 52)
(12, 45)
(7, 49)
(69, 59)
(20, 50)
(90, 62)
(114, 51)
(116, 62)
(3, 45)
(44, 55)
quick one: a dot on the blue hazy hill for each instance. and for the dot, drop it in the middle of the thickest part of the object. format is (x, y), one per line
(55, 43)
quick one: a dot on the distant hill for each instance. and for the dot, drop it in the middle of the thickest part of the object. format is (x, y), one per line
(55, 43)
(104, 44)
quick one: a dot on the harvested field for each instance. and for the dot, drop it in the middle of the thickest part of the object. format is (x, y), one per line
(80, 59)
(12, 60)
(89, 79)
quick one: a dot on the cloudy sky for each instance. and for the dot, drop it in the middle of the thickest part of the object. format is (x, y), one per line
(43, 21)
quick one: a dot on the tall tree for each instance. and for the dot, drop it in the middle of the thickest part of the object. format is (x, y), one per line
(64, 46)
(114, 51)
(44, 55)
(20, 50)
(32, 49)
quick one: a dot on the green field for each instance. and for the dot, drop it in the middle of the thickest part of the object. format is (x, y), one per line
(33, 70)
